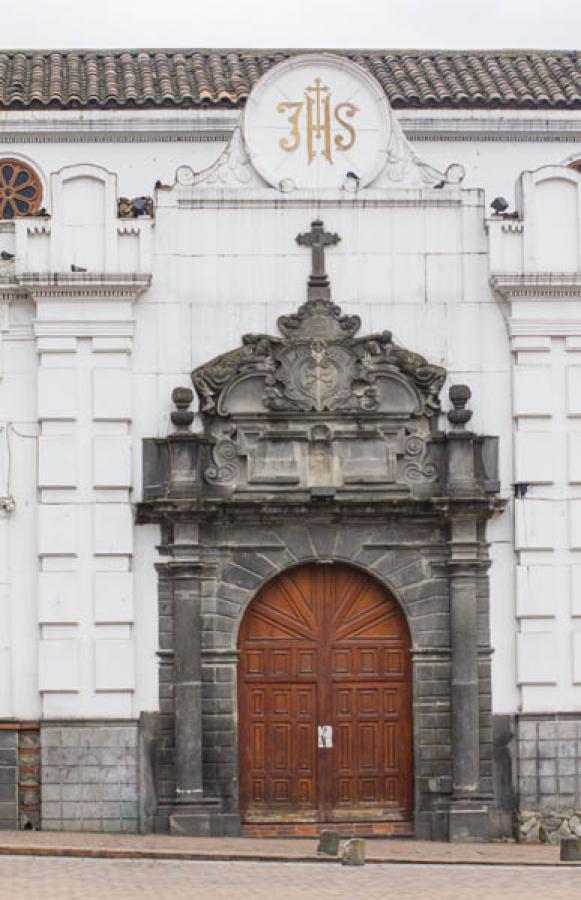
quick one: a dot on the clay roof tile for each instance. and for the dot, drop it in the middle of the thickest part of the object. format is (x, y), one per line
(412, 78)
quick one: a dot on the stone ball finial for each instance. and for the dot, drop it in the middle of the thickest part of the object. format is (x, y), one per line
(182, 417)
(459, 394)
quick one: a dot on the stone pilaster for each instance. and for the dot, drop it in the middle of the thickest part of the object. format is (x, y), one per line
(464, 675)
(188, 680)
(468, 814)
(191, 811)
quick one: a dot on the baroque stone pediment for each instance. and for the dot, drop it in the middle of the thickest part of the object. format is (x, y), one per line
(319, 406)
(319, 365)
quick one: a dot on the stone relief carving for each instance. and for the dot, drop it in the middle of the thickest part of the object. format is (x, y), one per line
(318, 405)
(417, 466)
(320, 365)
(404, 168)
(224, 468)
(255, 355)
(232, 169)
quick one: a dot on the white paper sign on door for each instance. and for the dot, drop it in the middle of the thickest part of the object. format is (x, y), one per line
(325, 733)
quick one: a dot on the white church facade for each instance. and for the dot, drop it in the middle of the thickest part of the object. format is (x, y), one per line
(290, 443)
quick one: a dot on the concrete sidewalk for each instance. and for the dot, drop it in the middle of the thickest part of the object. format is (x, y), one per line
(116, 846)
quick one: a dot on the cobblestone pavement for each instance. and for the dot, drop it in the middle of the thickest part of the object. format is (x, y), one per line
(89, 879)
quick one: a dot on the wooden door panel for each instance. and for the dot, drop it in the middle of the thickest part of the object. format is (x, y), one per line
(279, 765)
(372, 755)
(324, 645)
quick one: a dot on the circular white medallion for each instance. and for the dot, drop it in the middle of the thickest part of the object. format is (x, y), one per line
(315, 119)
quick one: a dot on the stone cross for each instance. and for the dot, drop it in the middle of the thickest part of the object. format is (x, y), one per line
(317, 239)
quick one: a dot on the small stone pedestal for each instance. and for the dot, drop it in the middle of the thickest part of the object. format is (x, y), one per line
(329, 843)
(353, 852)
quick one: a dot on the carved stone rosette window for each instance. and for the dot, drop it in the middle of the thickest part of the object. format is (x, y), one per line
(20, 189)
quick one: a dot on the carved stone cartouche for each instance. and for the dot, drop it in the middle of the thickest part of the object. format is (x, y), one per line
(318, 405)
(319, 365)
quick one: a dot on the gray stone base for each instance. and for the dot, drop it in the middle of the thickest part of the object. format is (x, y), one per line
(19, 775)
(90, 776)
(549, 762)
(548, 758)
(191, 824)
(104, 776)
(431, 826)
(469, 820)
(464, 821)
(8, 779)
(194, 820)
(199, 820)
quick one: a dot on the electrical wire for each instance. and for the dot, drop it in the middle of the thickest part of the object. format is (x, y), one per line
(10, 429)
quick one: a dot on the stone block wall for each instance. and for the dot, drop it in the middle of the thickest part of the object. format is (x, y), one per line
(90, 776)
(8, 778)
(549, 774)
(19, 775)
(29, 777)
(549, 750)
(227, 588)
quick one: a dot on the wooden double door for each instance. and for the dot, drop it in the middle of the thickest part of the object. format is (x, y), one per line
(325, 723)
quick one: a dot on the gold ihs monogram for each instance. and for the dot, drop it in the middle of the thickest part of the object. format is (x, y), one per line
(323, 124)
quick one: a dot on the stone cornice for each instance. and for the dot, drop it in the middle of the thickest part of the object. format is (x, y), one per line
(494, 126)
(370, 198)
(10, 289)
(83, 285)
(527, 285)
(544, 328)
(192, 125)
(299, 508)
(98, 126)
(84, 328)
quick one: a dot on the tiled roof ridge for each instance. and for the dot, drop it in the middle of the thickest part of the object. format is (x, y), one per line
(223, 77)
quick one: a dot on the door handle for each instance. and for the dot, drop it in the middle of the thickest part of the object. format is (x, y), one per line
(325, 736)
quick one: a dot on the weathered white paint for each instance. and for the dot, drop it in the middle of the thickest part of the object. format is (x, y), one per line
(537, 283)
(88, 366)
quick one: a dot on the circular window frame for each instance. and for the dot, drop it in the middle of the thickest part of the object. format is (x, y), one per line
(12, 198)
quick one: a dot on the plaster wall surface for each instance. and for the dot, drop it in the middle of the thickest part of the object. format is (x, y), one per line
(144, 147)
(535, 272)
(221, 267)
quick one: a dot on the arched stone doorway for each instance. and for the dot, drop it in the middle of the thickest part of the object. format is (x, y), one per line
(322, 444)
(325, 717)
